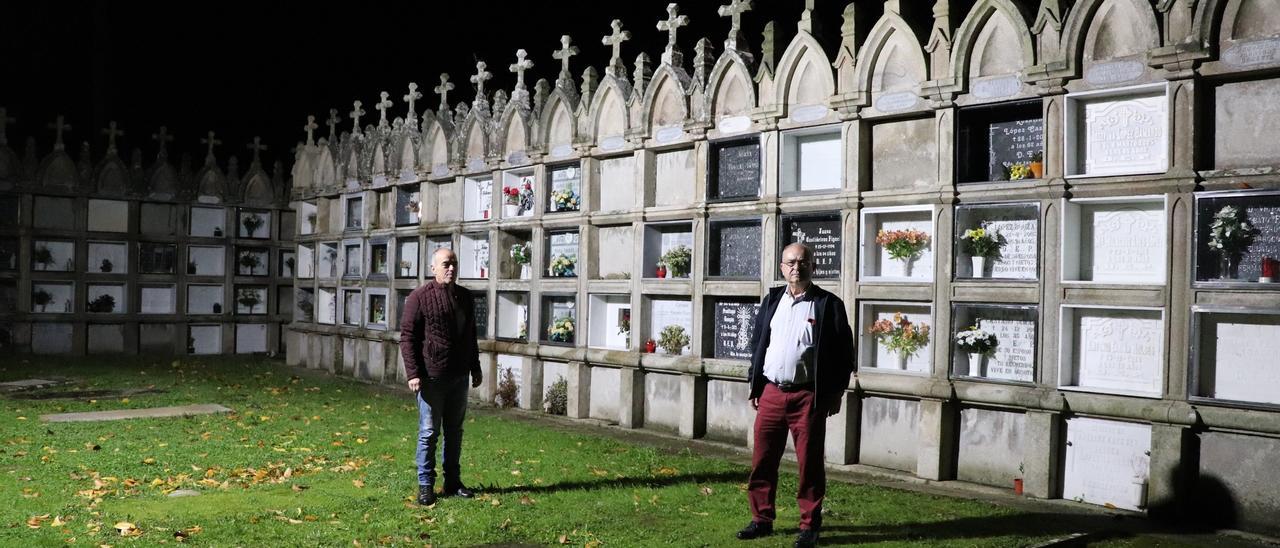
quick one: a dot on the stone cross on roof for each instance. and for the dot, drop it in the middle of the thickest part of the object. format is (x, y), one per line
(309, 128)
(616, 68)
(382, 106)
(520, 66)
(480, 77)
(734, 12)
(332, 122)
(672, 24)
(443, 91)
(211, 141)
(256, 146)
(412, 97)
(162, 136)
(4, 122)
(58, 127)
(112, 132)
(355, 115)
(563, 54)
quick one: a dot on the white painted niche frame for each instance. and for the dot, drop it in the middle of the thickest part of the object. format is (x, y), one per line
(1084, 260)
(1088, 115)
(880, 267)
(872, 356)
(812, 161)
(1092, 368)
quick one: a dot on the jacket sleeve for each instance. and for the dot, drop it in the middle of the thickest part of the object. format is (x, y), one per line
(842, 348)
(411, 336)
(473, 355)
(757, 332)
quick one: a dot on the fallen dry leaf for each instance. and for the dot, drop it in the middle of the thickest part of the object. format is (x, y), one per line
(525, 500)
(127, 529)
(35, 521)
(707, 491)
(359, 483)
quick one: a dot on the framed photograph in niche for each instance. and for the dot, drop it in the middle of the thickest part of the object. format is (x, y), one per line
(1237, 241)
(108, 258)
(326, 305)
(1233, 355)
(204, 339)
(668, 250)
(351, 309)
(304, 305)
(407, 257)
(353, 207)
(352, 258)
(9, 254)
(518, 195)
(994, 341)
(158, 219)
(670, 323)
(53, 256)
(158, 299)
(1114, 240)
(288, 264)
(1107, 462)
(562, 254)
(1112, 350)
(408, 205)
(253, 261)
(559, 320)
(566, 189)
(473, 256)
(1121, 131)
(308, 218)
(206, 260)
(734, 247)
(480, 303)
(735, 170)
(811, 161)
(822, 233)
(376, 306)
(379, 258)
(434, 243)
(1000, 142)
(108, 216)
(513, 315)
(999, 240)
(729, 327)
(897, 244)
(52, 212)
(208, 222)
(205, 299)
(105, 299)
(610, 321)
(157, 258)
(52, 297)
(254, 224)
(251, 299)
(895, 336)
(477, 199)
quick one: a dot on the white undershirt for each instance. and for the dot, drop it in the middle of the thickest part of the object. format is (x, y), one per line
(790, 340)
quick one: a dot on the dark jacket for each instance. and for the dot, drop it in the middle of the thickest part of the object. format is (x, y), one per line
(438, 332)
(832, 342)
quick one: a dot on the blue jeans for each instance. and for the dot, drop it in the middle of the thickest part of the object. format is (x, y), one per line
(442, 403)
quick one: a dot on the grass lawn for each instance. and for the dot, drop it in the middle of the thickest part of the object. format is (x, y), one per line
(310, 460)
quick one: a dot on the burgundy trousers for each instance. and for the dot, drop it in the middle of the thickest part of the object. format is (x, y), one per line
(779, 413)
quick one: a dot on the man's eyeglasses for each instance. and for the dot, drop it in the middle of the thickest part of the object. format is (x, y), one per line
(796, 262)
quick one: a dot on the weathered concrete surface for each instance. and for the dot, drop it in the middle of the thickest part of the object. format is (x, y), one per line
(148, 413)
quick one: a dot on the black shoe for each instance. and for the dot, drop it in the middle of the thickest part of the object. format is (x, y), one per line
(426, 495)
(754, 530)
(808, 538)
(460, 492)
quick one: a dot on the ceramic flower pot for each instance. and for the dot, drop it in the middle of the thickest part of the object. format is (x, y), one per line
(979, 266)
(525, 272)
(510, 210)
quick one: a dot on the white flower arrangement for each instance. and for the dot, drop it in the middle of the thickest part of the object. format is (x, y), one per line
(976, 340)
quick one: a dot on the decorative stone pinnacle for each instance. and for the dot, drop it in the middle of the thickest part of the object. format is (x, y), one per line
(256, 146)
(615, 40)
(356, 113)
(4, 123)
(480, 77)
(563, 54)
(163, 137)
(443, 91)
(412, 97)
(332, 122)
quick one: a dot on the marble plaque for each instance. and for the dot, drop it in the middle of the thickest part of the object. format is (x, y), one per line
(668, 134)
(1107, 462)
(617, 184)
(205, 299)
(108, 216)
(996, 87)
(518, 157)
(674, 175)
(326, 305)
(1114, 72)
(208, 222)
(822, 234)
(808, 113)
(733, 329)
(1123, 243)
(1253, 53)
(736, 246)
(1015, 355)
(105, 299)
(737, 170)
(612, 143)
(1128, 135)
(733, 124)
(1118, 350)
(893, 102)
(480, 304)
(251, 338)
(206, 260)
(665, 312)
(1013, 142)
(1018, 258)
(205, 339)
(1237, 357)
(565, 243)
(157, 258)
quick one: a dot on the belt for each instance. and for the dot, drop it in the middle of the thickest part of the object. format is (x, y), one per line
(791, 386)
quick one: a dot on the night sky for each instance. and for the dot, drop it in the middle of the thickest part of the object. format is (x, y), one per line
(246, 69)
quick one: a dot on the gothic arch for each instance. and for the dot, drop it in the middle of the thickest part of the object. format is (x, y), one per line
(891, 41)
(326, 174)
(666, 99)
(608, 113)
(805, 76)
(112, 178)
(558, 127)
(992, 40)
(1245, 19)
(732, 91)
(257, 190)
(1093, 31)
(514, 130)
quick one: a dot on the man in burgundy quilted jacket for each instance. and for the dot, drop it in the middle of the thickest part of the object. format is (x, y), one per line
(438, 341)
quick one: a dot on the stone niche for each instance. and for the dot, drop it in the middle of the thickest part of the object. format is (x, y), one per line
(610, 317)
(53, 297)
(353, 212)
(1234, 468)
(156, 258)
(729, 417)
(379, 258)
(889, 433)
(305, 261)
(252, 261)
(661, 238)
(448, 197)
(1107, 462)
(734, 170)
(1112, 350)
(158, 219)
(206, 260)
(376, 308)
(877, 263)
(669, 312)
(522, 182)
(108, 216)
(51, 338)
(904, 154)
(822, 233)
(204, 339)
(158, 299)
(510, 363)
(1121, 131)
(251, 338)
(105, 299)
(351, 310)
(407, 257)
(513, 315)
(283, 300)
(9, 254)
(205, 299)
(401, 295)
(108, 258)
(477, 199)
(53, 213)
(10, 211)
(104, 338)
(326, 305)
(873, 354)
(734, 247)
(728, 327)
(606, 393)
(1014, 327)
(1243, 125)
(508, 268)
(434, 243)
(1234, 356)
(663, 406)
(288, 263)
(992, 139)
(562, 254)
(1114, 240)
(304, 305)
(53, 256)
(8, 297)
(157, 338)
(308, 218)
(617, 184)
(811, 161)
(251, 300)
(559, 320)
(480, 303)
(328, 259)
(565, 182)
(1015, 225)
(674, 178)
(473, 255)
(614, 252)
(254, 224)
(408, 205)
(552, 372)
(208, 222)
(992, 443)
(352, 258)
(1244, 263)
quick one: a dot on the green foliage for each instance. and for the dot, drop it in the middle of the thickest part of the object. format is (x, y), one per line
(508, 394)
(673, 339)
(677, 259)
(556, 400)
(103, 303)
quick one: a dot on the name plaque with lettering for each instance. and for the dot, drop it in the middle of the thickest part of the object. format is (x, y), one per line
(482, 314)
(733, 329)
(1017, 227)
(997, 87)
(893, 102)
(1253, 53)
(1015, 142)
(822, 234)
(1114, 72)
(1125, 136)
(1118, 350)
(737, 170)
(1107, 462)
(1015, 356)
(1124, 243)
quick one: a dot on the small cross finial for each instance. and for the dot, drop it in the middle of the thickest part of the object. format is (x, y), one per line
(443, 91)
(616, 39)
(520, 66)
(480, 77)
(356, 113)
(162, 136)
(673, 23)
(309, 128)
(112, 132)
(211, 141)
(564, 53)
(411, 97)
(382, 107)
(332, 122)
(58, 127)
(256, 146)
(4, 123)
(734, 12)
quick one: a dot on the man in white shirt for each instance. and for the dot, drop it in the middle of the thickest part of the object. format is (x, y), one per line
(801, 361)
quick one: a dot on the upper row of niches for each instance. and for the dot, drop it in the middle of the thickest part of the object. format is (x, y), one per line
(1238, 239)
(159, 219)
(1238, 120)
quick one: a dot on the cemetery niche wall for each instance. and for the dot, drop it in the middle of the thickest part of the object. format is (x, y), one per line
(1073, 210)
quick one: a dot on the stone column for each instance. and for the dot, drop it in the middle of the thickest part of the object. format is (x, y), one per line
(1169, 480)
(630, 397)
(488, 388)
(1041, 454)
(843, 429)
(935, 458)
(693, 406)
(530, 384)
(579, 390)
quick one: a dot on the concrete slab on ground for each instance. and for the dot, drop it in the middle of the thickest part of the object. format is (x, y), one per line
(145, 413)
(26, 384)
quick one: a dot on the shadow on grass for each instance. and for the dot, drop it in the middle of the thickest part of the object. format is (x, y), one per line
(608, 483)
(1036, 524)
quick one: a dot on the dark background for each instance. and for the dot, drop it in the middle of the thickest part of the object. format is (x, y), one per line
(246, 69)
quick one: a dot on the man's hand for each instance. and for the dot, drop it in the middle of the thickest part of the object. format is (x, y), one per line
(755, 403)
(414, 384)
(476, 379)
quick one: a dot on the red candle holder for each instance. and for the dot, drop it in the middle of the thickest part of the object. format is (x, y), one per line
(1270, 269)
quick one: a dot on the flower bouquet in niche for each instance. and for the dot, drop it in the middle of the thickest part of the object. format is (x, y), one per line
(561, 330)
(903, 245)
(677, 261)
(976, 342)
(1231, 234)
(565, 200)
(673, 339)
(510, 201)
(520, 255)
(980, 244)
(901, 337)
(562, 266)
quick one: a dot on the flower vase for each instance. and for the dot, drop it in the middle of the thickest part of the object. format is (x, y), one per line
(975, 364)
(906, 267)
(903, 358)
(979, 266)
(1139, 491)
(511, 210)
(525, 272)
(650, 346)
(1037, 169)
(1229, 267)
